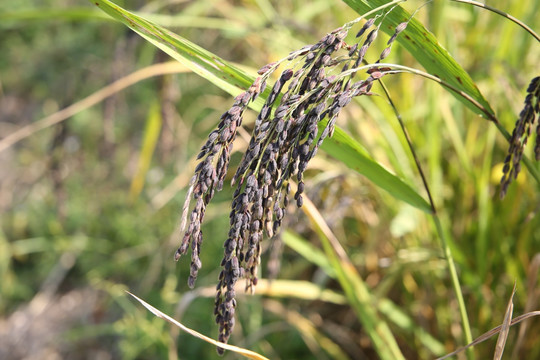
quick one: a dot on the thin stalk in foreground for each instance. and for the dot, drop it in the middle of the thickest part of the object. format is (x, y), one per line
(455, 284)
(411, 148)
(446, 249)
(244, 352)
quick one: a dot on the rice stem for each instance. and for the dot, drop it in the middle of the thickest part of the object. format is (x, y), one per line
(446, 249)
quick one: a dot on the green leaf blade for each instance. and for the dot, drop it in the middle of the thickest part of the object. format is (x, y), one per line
(423, 45)
(199, 60)
(342, 147)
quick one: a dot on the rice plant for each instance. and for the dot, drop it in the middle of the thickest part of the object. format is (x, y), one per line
(423, 281)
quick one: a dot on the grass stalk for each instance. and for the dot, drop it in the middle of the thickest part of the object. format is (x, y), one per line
(456, 285)
(440, 232)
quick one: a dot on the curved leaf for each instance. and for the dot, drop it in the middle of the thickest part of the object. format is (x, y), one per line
(199, 60)
(344, 148)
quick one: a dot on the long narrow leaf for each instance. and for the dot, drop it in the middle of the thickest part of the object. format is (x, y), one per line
(355, 289)
(234, 80)
(342, 147)
(244, 352)
(490, 333)
(385, 306)
(199, 60)
(150, 137)
(505, 328)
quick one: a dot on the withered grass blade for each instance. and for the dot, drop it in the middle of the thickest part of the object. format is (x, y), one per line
(490, 333)
(505, 328)
(244, 352)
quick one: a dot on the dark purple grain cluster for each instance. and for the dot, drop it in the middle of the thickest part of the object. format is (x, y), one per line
(390, 41)
(210, 172)
(522, 130)
(299, 113)
(533, 99)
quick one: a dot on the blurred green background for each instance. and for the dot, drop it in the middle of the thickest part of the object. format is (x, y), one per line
(90, 207)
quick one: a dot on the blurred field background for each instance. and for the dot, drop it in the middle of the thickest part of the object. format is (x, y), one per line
(90, 206)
